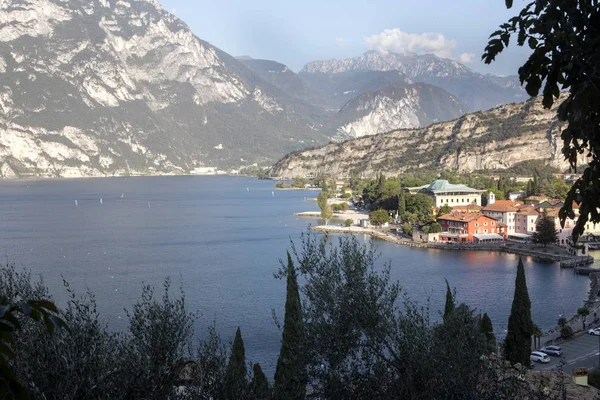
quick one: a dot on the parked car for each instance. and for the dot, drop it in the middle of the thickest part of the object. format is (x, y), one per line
(594, 331)
(552, 350)
(540, 357)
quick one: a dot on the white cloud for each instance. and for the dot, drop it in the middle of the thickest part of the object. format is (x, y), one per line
(396, 41)
(340, 41)
(466, 58)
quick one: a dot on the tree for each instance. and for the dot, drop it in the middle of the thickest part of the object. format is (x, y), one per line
(583, 312)
(449, 307)
(401, 202)
(485, 327)
(299, 182)
(349, 222)
(379, 217)
(564, 37)
(520, 326)
(545, 231)
(419, 204)
(235, 384)
(445, 209)
(435, 228)
(259, 386)
(290, 373)
(326, 210)
(537, 335)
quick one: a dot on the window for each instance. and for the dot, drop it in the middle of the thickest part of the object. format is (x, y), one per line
(476, 224)
(492, 224)
(477, 231)
(485, 231)
(485, 223)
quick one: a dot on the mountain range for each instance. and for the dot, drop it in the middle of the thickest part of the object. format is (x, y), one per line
(122, 86)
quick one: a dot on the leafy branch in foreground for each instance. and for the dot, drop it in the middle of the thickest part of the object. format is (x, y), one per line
(564, 37)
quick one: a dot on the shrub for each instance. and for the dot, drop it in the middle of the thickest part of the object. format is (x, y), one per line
(594, 378)
(344, 207)
(346, 195)
(379, 217)
(566, 332)
(349, 222)
(407, 229)
(336, 207)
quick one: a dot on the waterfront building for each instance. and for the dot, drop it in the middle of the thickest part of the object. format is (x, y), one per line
(468, 228)
(442, 192)
(526, 219)
(503, 211)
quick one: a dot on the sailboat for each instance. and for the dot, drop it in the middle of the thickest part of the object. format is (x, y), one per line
(76, 205)
(100, 200)
(122, 194)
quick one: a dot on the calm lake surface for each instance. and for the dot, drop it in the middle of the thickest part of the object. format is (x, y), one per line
(221, 239)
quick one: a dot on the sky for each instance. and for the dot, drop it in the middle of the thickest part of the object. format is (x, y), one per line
(294, 33)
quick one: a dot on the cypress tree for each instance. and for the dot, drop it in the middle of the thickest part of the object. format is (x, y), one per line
(235, 383)
(520, 325)
(401, 202)
(259, 387)
(290, 374)
(449, 308)
(545, 231)
(486, 327)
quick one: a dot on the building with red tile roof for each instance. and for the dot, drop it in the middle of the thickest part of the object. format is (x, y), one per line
(468, 227)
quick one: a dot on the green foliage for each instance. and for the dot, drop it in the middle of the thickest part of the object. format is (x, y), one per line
(364, 342)
(290, 374)
(421, 205)
(520, 326)
(326, 210)
(259, 386)
(260, 173)
(435, 228)
(299, 182)
(485, 326)
(379, 217)
(583, 312)
(407, 228)
(566, 331)
(349, 222)
(402, 202)
(594, 377)
(449, 306)
(545, 231)
(42, 311)
(445, 209)
(562, 322)
(235, 384)
(346, 195)
(565, 41)
(87, 361)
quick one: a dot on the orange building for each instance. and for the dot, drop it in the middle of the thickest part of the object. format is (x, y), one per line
(468, 228)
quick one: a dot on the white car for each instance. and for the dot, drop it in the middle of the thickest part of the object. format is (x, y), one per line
(540, 357)
(594, 331)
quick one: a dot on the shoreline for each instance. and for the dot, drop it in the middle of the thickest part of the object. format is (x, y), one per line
(543, 256)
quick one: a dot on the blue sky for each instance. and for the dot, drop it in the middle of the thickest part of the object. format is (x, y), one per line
(294, 33)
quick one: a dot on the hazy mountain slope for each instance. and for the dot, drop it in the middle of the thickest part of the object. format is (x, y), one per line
(282, 78)
(478, 91)
(336, 89)
(390, 108)
(93, 88)
(494, 139)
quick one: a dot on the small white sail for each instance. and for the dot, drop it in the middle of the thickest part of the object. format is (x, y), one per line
(76, 204)
(100, 200)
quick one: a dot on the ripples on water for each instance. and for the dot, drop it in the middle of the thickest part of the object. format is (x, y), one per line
(221, 239)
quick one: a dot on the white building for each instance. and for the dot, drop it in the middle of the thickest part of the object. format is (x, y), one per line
(442, 192)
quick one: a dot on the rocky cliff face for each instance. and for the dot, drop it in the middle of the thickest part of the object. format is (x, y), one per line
(410, 106)
(98, 87)
(494, 139)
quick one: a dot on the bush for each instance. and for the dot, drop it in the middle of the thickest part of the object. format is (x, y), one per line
(566, 332)
(336, 207)
(379, 217)
(594, 378)
(346, 195)
(435, 228)
(344, 207)
(407, 229)
(348, 222)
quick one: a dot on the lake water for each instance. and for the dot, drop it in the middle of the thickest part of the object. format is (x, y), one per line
(221, 239)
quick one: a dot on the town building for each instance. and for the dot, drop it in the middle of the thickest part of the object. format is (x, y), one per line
(503, 211)
(535, 200)
(468, 228)
(526, 219)
(442, 192)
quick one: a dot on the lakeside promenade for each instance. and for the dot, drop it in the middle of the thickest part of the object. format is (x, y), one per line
(551, 253)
